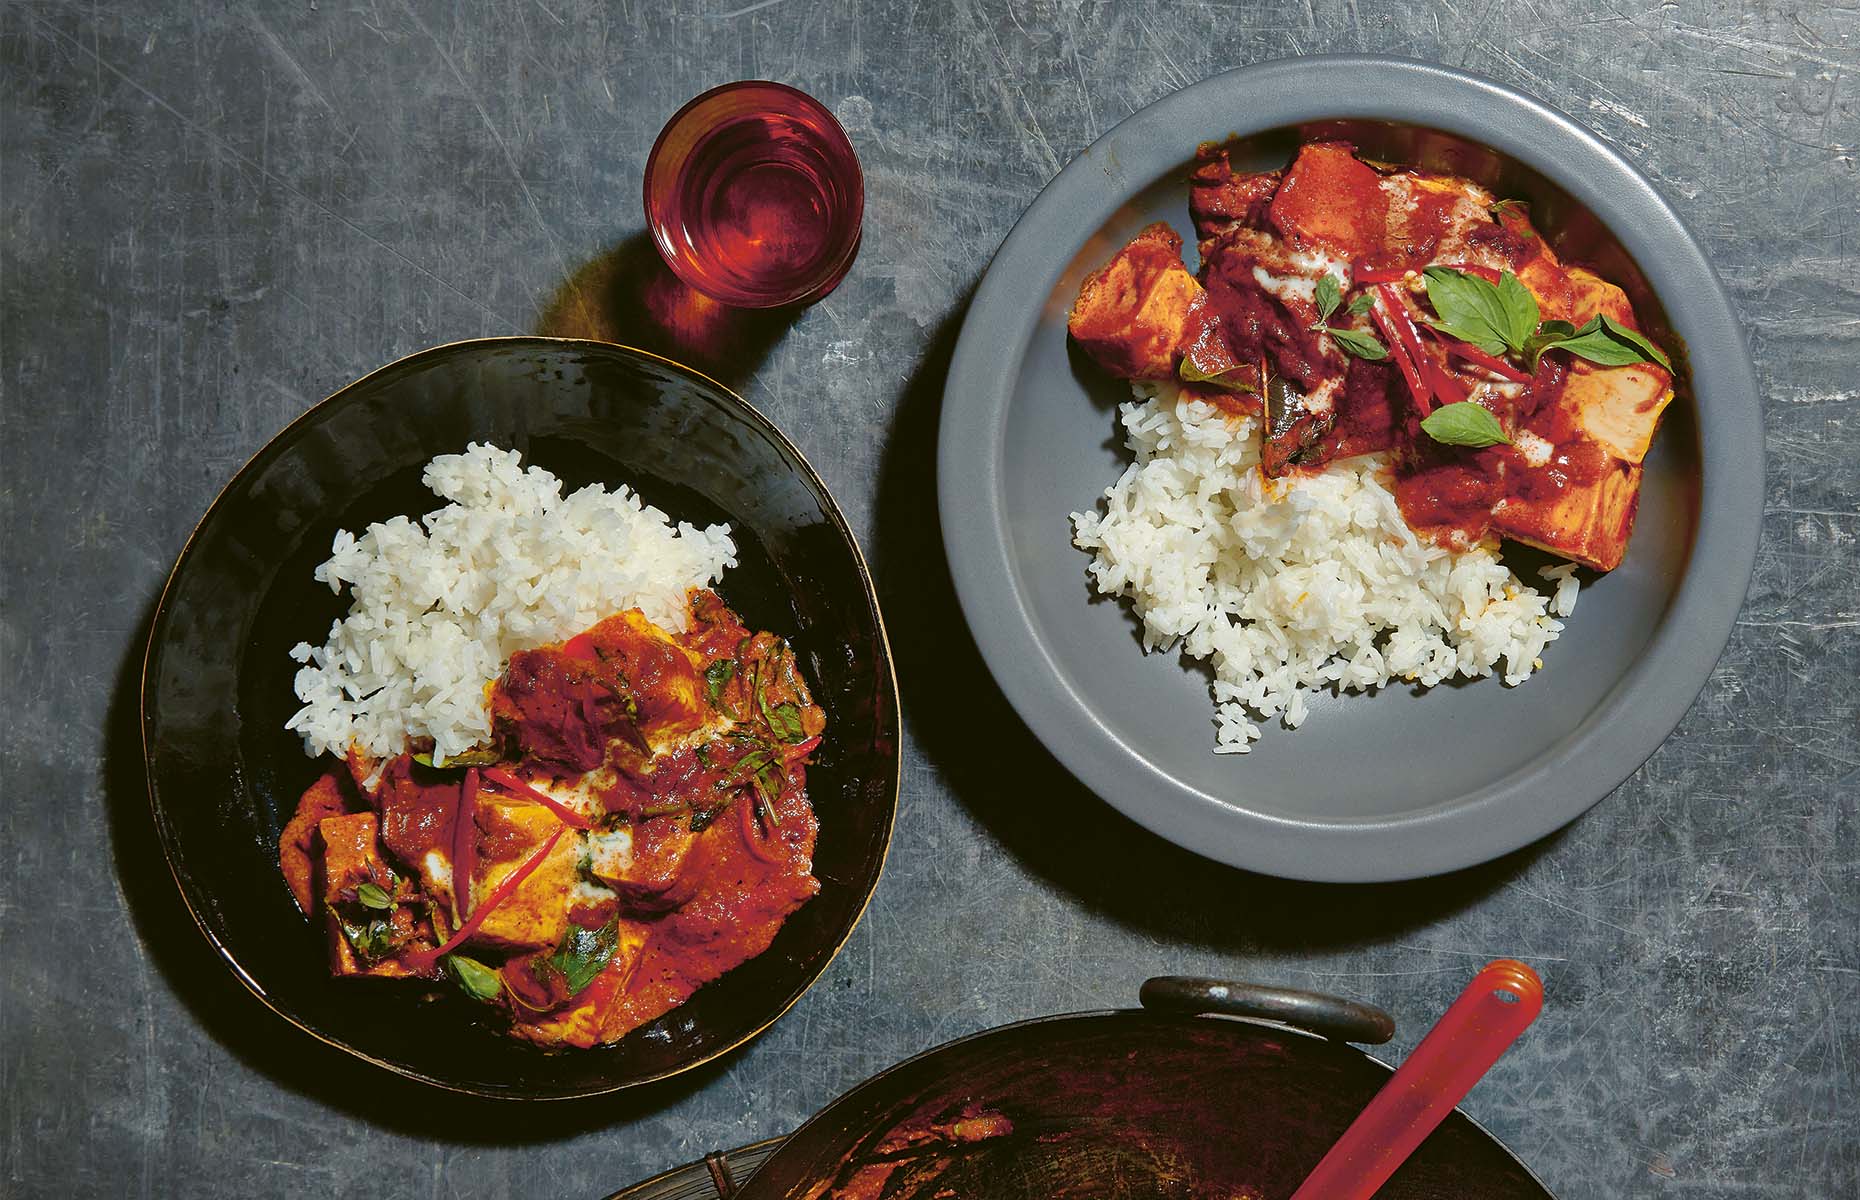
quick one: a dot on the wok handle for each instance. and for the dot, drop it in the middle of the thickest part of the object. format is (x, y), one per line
(1327, 1016)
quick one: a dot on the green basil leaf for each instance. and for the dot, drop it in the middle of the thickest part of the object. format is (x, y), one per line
(780, 723)
(1362, 345)
(1479, 336)
(372, 895)
(785, 720)
(1329, 295)
(754, 761)
(745, 768)
(1494, 317)
(479, 981)
(1464, 424)
(1521, 311)
(762, 770)
(1610, 344)
(1188, 372)
(371, 941)
(1362, 304)
(1465, 306)
(717, 676)
(756, 692)
(1636, 338)
(1505, 208)
(768, 783)
(380, 939)
(1548, 334)
(583, 953)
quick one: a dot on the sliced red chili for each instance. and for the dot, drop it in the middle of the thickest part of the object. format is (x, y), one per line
(423, 960)
(511, 783)
(800, 750)
(1379, 311)
(1468, 352)
(1403, 323)
(1441, 385)
(465, 843)
(1448, 388)
(581, 646)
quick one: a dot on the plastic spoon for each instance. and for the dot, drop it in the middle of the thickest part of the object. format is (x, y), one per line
(1502, 999)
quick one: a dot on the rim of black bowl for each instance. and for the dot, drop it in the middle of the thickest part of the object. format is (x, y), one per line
(274, 446)
(1653, 695)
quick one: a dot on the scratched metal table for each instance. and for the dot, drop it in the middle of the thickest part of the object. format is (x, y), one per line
(213, 218)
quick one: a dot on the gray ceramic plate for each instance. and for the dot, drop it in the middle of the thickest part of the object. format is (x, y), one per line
(1402, 783)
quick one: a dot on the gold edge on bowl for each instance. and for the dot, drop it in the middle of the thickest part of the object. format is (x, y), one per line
(894, 726)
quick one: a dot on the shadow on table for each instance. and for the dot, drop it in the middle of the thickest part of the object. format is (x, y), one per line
(628, 295)
(1034, 807)
(265, 1042)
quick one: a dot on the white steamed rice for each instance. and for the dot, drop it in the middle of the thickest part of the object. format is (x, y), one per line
(440, 604)
(1293, 585)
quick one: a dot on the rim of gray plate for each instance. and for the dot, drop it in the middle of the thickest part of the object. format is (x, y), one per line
(1615, 739)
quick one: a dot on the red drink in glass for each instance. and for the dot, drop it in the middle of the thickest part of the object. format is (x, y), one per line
(754, 196)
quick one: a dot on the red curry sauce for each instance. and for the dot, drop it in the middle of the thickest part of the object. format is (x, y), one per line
(637, 826)
(1247, 332)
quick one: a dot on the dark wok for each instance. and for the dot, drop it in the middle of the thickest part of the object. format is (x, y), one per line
(1169, 1100)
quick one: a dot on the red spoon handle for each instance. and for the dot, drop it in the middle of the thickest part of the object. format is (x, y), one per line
(1495, 1008)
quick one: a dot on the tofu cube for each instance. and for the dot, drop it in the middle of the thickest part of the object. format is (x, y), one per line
(1586, 515)
(664, 681)
(535, 916)
(1136, 313)
(1618, 408)
(1332, 200)
(646, 863)
(1590, 296)
(580, 1022)
(351, 856)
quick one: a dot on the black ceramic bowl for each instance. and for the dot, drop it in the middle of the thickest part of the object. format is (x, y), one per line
(224, 775)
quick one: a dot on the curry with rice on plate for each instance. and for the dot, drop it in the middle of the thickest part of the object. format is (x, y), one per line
(615, 819)
(1377, 374)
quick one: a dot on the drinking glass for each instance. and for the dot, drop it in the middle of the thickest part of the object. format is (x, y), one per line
(754, 195)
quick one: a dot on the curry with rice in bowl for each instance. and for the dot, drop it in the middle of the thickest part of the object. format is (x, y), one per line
(1377, 375)
(607, 823)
